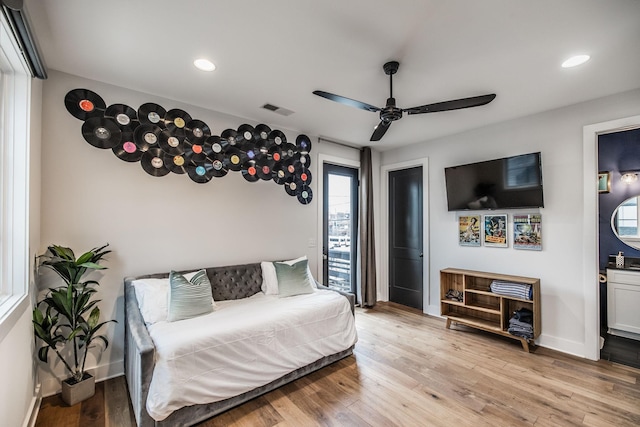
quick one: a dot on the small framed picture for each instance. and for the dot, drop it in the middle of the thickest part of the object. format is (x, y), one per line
(469, 230)
(495, 231)
(527, 232)
(604, 182)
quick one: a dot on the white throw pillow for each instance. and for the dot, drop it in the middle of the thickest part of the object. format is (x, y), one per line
(270, 279)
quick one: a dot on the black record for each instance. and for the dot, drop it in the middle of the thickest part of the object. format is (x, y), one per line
(147, 136)
(250, 172)
(200, 172)
(231, 135)
(304, 176)
(288, 150)
(123, 115)
(84, 104)
(154, 162)
(177, 164)
(249, 151)
(289, 167)
(197, 131)
(233, 158)
(275, 153)
(197, 152)
(264, 168)
(171, 144)
(303, 142)
(263, 145)
(245, 134)
(176, 120)
(277, 137)
(279, 175)
(305, 195)
(218, 145)
(303, 160)
(218, 167)
(290, 186)
(151, 114)
(261, 132)
(127, 149)
(101, 132)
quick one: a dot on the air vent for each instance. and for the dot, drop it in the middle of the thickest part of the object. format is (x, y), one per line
(277, 110)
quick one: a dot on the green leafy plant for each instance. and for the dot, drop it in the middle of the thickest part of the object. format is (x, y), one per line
(67, 314)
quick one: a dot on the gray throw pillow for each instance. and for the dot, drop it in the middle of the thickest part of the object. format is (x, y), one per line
(293, 279)
(189, 298)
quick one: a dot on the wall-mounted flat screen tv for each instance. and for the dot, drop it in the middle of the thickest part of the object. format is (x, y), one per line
(507, 183)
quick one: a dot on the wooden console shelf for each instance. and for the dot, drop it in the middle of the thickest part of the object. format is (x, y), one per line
(482, 309)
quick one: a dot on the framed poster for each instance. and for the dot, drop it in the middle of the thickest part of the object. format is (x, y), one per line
(527, 232)
(495, 231)
(604, 182)
(469, 230)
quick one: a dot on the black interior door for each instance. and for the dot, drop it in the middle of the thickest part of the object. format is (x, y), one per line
(405, 237)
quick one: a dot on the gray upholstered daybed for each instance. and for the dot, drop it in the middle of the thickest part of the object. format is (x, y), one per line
(228, 283)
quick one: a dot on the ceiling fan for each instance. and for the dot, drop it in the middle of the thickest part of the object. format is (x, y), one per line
(391, 113)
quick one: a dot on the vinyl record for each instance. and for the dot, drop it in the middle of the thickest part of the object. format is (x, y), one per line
(302, 160)
(245, 134)
(197, 131)
(218, 145)
(303, 142)
(233, 158)
(147, 136)
(218, 167)
(127, 149)
(200, 172)
(277, 137)
(289, 167)
(250, 172)
(101, 132)
(304, 176)
(263, 146)
(290, 186)
(264, 168)
(305, 195)
(176, 120)
(84, 104)
(124, 116)
(275, 153)
(249, 151)
(177, 164)
(231, 135)
(154, 162)
(279, 175)
(261, 132)
(152, 114)
(288, 150)
(197, 152)
(171, 144)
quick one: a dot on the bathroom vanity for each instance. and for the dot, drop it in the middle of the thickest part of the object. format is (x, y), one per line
(623, 302)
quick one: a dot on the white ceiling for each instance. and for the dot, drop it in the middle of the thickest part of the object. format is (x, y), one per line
(279, 51)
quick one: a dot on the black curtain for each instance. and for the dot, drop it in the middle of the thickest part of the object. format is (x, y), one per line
(367, 239)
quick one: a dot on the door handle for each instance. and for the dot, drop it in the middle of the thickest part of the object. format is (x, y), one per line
(421, 255)
(324, 256)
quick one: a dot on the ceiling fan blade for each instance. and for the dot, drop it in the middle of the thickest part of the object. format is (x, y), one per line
(456, 104)
(346, 101)
(380, 130)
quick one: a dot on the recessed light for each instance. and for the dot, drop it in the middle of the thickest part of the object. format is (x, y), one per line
(575, 61)
(204, 64)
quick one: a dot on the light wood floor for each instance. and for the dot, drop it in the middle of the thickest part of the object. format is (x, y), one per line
(408, 370)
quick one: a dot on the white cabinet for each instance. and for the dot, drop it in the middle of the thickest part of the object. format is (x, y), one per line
(623, 303)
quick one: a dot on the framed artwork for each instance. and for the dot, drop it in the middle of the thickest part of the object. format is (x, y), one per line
(604, 182)
(527, 232)
(495, 230)
(469, 230)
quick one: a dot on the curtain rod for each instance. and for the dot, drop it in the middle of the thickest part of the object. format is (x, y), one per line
(320, 139)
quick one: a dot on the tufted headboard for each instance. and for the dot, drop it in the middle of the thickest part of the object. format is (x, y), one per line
(227, 283)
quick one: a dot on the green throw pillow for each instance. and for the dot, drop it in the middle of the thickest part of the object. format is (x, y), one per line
(189, 298)
(293, 279)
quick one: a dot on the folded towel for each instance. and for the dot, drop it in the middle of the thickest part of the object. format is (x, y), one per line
(510, 289)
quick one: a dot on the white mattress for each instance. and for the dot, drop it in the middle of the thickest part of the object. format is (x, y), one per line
(242, 345)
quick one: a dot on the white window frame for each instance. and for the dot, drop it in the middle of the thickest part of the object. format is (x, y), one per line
(15, 98)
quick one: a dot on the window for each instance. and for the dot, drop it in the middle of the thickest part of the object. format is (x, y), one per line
(628, 218)
(15, 93)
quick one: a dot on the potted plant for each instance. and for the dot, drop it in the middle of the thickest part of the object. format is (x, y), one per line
(67, 316)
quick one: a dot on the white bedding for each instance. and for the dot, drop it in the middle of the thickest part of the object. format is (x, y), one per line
(242, 345)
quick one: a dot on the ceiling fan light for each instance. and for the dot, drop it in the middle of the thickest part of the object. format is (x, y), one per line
(575, 61)
(204, 64)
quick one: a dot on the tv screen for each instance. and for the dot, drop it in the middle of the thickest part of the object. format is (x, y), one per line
(507, 183)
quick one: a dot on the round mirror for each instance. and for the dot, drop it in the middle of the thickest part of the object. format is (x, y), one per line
(626, 223)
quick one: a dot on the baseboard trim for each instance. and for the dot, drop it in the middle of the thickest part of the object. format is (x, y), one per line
(34, 408)
(51, 384)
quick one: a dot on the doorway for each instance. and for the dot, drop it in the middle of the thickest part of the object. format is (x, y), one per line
(340, 227)
(405, 237)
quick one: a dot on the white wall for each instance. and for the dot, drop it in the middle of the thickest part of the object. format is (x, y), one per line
(558, 135)
(154, 224)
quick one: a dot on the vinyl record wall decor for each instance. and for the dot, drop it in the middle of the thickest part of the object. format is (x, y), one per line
(172, 141)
